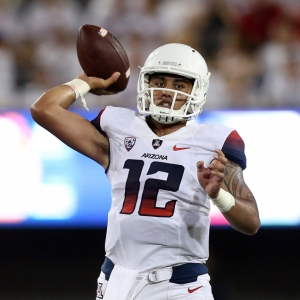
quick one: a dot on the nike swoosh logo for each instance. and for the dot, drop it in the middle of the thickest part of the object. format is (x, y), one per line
(195, 289)
(177, 149)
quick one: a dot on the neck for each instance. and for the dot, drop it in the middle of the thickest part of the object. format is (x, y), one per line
(163, 129)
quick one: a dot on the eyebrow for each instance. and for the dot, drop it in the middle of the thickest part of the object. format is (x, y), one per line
(181, 79)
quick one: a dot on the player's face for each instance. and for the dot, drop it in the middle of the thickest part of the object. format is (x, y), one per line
(164, 98)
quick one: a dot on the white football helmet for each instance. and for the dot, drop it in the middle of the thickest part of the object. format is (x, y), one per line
(180, 60)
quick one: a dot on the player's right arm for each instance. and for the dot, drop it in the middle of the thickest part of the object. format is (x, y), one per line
(51, 112)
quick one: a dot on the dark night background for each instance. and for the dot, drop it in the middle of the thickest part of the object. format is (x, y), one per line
(64, 264)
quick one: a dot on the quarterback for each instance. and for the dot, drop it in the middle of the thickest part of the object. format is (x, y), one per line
(164, 172)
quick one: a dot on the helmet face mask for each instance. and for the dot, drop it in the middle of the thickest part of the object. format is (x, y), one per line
(179, 60)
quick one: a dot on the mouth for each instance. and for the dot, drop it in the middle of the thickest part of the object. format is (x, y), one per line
(164, 103)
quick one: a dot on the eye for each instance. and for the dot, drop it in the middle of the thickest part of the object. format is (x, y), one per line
(159, 84)
(179, 86)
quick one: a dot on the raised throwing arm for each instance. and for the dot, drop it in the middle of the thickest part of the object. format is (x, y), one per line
(51, 112)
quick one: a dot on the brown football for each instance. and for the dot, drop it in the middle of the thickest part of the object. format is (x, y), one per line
(100, 54)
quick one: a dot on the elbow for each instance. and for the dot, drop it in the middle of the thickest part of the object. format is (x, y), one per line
(250, 227)
(257, 226)
(253, 227)
(33, 110)
(37, 112)
(253, 231)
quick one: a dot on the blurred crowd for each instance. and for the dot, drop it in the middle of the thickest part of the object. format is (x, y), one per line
(252, 47)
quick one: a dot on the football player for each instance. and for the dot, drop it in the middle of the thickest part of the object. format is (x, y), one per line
(164, 173)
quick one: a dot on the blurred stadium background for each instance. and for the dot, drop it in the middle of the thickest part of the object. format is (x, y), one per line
(252, 50)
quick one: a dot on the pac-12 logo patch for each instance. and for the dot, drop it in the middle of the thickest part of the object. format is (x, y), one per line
(129, 142)
(156, 143)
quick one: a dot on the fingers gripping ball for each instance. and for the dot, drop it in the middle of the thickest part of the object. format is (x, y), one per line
(100, 54)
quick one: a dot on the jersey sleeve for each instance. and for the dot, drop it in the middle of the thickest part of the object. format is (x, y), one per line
(234, 149)
(96, 123)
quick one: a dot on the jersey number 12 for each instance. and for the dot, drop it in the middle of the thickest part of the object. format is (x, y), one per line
(152, 186)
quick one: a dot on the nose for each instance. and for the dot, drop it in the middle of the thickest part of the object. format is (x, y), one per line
(166, 93)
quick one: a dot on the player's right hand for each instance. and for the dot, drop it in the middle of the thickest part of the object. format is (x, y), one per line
(98, 85)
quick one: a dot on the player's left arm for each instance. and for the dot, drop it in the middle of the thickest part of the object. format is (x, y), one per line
(244, 215)
(224, 183)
